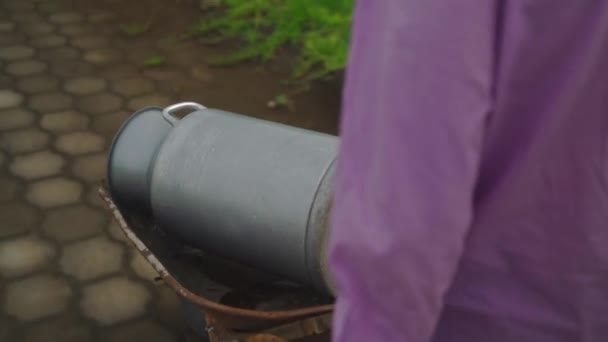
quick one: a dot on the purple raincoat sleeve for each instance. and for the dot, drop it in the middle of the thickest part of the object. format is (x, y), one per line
(418, 94)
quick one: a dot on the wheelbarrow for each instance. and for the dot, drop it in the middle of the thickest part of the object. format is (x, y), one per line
(223, 300)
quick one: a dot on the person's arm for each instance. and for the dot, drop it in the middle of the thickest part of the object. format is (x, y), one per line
(418, 93)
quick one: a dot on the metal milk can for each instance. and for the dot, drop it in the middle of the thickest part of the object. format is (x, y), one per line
(250, 190)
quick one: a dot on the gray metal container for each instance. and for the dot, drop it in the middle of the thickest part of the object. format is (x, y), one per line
(246, 189)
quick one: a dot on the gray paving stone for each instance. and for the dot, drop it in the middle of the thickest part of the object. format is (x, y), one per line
(14, 52)
(64, 122)
(6, 26)
(141, 331)
(169, 308)
(10, 99)
(24, 255)
(91, 169)
(103, 56)
(140, 102)
(37, 165)
(48, 7)
(27, 17)
(11, 38)
(25, 67)
(90, 42)
(16, 218)
(50, 102)
(15, 118)
(132, 86)
(8, 189)
(99, 103)
(74, 30)
(71, 69)
(92, 258)
(143, 268)
(201, 73)
(85, 85)
(78, 143)
(72, 223)
(66, 18)
(38, 84)
(115, 232)
(24, 141)
(116, 72)
(162, 74)
(35, 29)
(108, 124)
(5, 82)
(19, 6)
(37, 297)
(53, 192)
(9, 331)
(65, 328)
(61, 54)
(48, 41)
(101, 17)
(114, 300)
(93, 197)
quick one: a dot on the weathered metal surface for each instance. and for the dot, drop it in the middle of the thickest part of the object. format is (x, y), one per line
(225, 322)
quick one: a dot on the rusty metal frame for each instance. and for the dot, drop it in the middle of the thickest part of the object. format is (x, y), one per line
(226, 323)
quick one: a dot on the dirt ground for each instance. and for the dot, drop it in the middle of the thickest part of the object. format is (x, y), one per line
(245, 88)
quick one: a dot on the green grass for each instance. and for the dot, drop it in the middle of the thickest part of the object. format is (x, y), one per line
(154, 61)
(319, 30)
(134, 29)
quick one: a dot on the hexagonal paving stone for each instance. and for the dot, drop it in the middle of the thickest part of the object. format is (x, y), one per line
(19, 6)
(9, 38)
(16, 218)
(76, 30)
(66, 18)
(72, 223)
(11, 53)
(65, 328)
(50, 102)
(72, 69)
(201, 73)
(53, 192)
(99, 103)
(132, 86)
(142, 267)
(36, 297)
(92, 197)
(149, 100)
(90, 168)
(115, 232)
(48, 41)
(10, 99)
(25, 140)
(140, 331)
(15, 118)
(115, 72)
(25, 67)
(85, 85)
(80, 143)
(24, 255)
(164, 74)
(8, 189)
(6, 26)
(36, 29)
(101, 16)
(64, 122)
(38, 84)
(109, 124)
(90, 42)
(103, 56)
(114, 300)
(169, 308)
(92, 258)
(37, 165)
(5, 81)
(27, 17)
(61, 54)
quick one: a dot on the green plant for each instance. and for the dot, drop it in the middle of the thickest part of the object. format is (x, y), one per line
(319, 30)
(154, 61)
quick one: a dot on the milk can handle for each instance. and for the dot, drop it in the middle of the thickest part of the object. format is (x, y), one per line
(167, 112)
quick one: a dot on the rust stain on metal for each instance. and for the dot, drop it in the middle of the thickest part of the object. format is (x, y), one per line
(221, 318)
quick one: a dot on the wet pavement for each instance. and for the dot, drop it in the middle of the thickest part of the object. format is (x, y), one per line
(66, 271)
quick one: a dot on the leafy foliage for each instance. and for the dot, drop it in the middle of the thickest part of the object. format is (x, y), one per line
(318, 29)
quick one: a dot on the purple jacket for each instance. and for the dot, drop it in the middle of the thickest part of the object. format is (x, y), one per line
(472, 195)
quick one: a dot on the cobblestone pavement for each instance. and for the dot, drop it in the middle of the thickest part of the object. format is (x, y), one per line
(66, 272)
